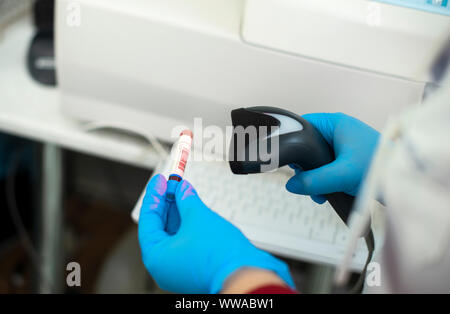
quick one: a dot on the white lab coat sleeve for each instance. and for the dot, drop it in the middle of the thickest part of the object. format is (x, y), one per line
(415, 185)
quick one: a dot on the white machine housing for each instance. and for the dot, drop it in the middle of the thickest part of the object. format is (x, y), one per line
(156, 64)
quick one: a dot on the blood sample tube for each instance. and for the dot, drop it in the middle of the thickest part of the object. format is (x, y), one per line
(178, 160)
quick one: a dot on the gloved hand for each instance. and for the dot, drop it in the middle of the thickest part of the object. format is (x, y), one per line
(204, 251)
(354, 144)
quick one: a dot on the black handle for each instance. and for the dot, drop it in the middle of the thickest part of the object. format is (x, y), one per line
(342, 204)
(306, 148)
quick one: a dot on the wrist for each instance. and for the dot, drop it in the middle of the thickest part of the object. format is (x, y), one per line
(247, 279)
(245, 266)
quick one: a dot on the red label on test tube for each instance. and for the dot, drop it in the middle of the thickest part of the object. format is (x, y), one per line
(180, 154)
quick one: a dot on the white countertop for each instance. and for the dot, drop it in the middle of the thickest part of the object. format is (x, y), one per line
(31, 110)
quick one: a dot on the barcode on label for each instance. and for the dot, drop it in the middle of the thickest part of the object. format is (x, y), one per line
(183, 159)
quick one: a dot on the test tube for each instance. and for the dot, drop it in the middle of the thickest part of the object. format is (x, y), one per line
(178, 160)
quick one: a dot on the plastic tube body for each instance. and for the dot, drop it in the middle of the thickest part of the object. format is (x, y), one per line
(178, 160)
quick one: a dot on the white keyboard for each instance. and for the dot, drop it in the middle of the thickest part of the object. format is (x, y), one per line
(272, 218)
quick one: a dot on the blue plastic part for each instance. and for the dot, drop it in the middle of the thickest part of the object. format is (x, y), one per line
(432, 6)
(172, 187)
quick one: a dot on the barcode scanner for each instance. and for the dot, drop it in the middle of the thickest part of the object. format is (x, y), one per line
(266, 138)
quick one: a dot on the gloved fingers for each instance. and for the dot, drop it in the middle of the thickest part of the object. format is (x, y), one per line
(295, 167)
(187, 199)
(152, 219)
(173, 219)
(324, 123)
(324, 180)
(319, 199)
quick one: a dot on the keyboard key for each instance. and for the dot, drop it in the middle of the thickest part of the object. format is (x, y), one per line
(261, 201)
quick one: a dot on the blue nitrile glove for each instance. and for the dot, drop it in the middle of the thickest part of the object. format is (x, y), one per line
(204, 251)
(354, 144)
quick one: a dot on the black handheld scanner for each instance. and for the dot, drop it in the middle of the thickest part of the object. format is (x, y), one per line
(266, 138)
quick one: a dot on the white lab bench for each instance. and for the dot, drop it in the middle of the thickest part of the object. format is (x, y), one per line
(31, 110)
